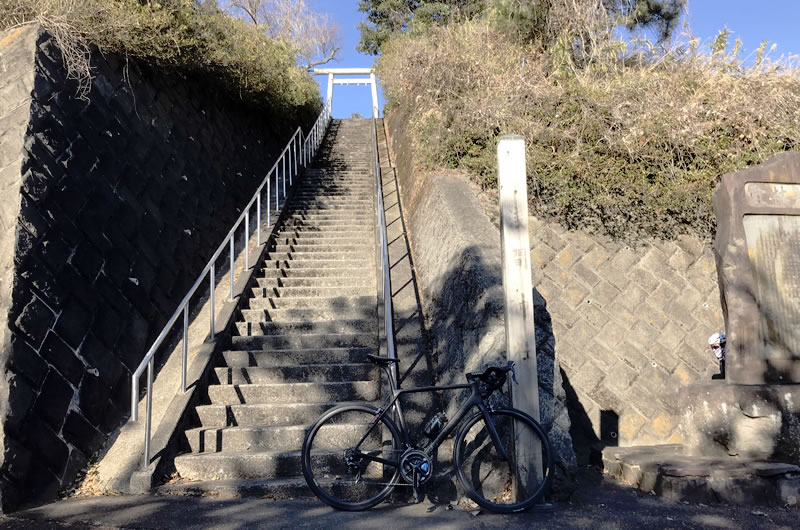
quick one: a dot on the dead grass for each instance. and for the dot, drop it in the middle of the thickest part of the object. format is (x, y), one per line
(171, 34)
(620, 137)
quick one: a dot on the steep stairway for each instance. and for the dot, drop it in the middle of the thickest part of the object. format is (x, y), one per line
(300, 344)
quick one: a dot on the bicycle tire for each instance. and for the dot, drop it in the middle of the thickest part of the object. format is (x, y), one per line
(323, 457)
(490, 481)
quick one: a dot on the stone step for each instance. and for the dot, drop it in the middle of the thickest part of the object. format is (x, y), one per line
(352, 224)
(363, 303)
(301, 202)
(306, 373)
(356, 280)
(253, 465)
(283, 488)
(294, 392)
(343, 198)
(355, 213)
(203, 480)
(322, 247)
(316, 240)
(356, 258)
(303, 342)
(320, 263)
(336, 178)
(335, 189)
(276, 438)
(316, 291)
(320, 210)
(311, 273)
(327, 235)
(324, 327)
(328, 232)
(321, 193)
(261, 414)
(263, 358)
(306, 315)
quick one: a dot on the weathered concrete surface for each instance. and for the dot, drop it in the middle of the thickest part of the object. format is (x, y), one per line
(747, 421)
(16, 82)
(756, 248)
(456, 254)
(667, 472)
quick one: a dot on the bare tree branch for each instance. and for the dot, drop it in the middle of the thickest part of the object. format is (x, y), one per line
(314, 38)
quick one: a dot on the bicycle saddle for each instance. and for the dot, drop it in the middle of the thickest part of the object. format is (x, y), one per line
(383, 361)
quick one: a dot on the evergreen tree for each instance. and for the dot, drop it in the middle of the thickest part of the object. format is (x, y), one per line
(527, 18)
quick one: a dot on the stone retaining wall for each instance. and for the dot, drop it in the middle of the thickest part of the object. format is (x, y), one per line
(110, 209)
(630, 325)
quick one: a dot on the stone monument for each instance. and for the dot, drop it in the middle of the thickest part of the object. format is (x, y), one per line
(755, 412)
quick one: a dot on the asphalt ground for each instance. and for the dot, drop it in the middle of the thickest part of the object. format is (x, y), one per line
(598, 503)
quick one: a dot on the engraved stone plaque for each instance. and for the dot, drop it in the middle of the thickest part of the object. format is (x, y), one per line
(757, 249)
(773, 245)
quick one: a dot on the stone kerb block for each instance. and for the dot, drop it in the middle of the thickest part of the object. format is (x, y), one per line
(757, 250)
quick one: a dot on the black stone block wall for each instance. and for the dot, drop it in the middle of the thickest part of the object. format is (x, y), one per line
(123, 200)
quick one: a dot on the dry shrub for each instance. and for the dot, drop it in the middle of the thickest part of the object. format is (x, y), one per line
(174, 35)
(630, 143)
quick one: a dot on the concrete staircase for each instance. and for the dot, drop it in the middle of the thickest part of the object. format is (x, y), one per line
(300, 344)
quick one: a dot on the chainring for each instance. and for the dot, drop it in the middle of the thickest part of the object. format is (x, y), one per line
(414, 459)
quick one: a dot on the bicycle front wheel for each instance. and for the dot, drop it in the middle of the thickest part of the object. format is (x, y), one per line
(503, 484)
(336, 462)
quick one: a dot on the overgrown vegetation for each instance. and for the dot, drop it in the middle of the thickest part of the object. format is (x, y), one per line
(623, 137)
(175, 35)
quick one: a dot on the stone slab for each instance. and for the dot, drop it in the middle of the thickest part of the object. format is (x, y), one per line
(664, 470)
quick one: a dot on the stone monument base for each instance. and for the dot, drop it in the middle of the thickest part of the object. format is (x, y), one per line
(665, 470)
(742, 421)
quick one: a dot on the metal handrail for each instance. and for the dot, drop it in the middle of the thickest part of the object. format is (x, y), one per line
(386, 288)
(307, 146)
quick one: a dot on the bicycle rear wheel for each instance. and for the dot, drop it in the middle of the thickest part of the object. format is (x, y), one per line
(333, 463)
(503, 485)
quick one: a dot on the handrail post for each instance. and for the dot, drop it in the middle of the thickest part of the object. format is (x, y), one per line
(268, 199)
(247, 239)
(289, 152)
(148, 412)
(258, 219)
(185, 349)
(232, 265)
(211, 297)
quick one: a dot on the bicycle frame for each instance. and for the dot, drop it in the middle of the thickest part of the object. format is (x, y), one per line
(474, 400)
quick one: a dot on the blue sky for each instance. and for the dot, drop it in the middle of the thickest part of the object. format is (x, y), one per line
(752, 20)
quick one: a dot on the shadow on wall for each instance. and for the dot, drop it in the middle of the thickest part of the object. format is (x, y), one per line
(469, 333)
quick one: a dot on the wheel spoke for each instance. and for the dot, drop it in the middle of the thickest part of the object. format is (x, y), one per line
(497, 483)
(349, 460)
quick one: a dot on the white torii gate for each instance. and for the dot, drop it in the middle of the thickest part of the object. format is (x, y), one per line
(333, 72)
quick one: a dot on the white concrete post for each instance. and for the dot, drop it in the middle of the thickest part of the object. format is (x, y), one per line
(374, 86)
(330, 91)
(518, 294)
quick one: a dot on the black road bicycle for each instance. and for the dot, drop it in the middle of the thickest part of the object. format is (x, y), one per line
(355, 454)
